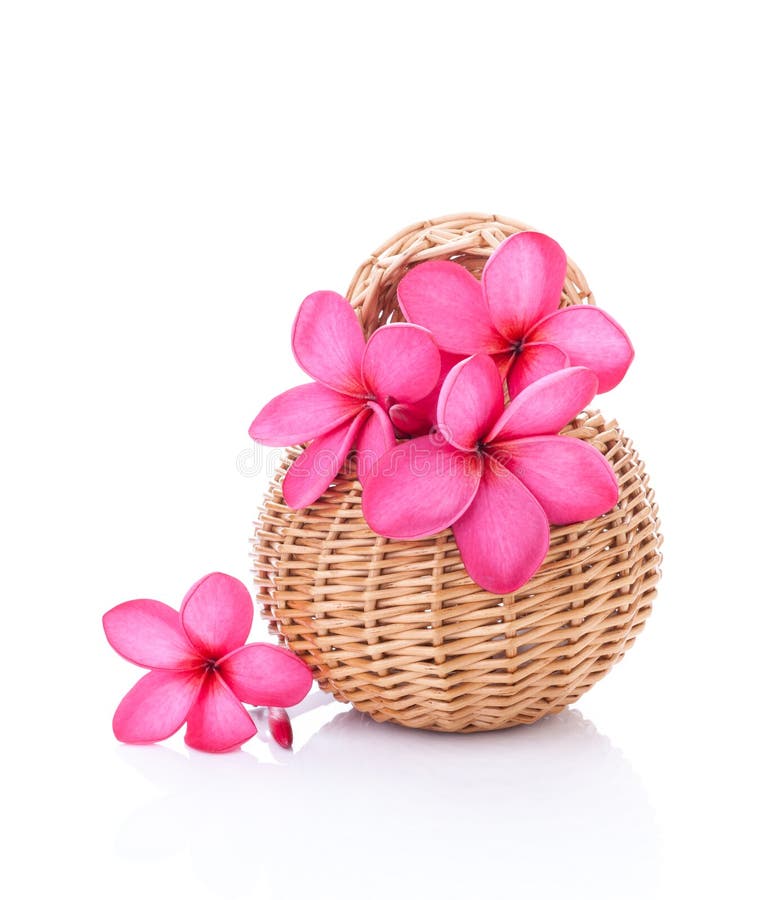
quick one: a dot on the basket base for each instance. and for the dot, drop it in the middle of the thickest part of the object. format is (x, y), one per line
(398, 629)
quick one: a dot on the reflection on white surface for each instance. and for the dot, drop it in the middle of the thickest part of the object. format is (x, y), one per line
(362, 810)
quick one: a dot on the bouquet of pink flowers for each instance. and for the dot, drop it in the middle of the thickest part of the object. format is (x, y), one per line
(453, 417)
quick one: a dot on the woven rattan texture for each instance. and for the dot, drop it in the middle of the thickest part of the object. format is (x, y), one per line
(398, 628)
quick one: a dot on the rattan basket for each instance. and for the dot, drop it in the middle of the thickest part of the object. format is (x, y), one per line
(397, 628)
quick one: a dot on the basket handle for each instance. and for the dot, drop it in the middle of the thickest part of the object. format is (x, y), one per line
(469, 238)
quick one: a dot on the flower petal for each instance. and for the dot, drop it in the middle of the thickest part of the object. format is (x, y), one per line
(470, 402)
(570, 478)
(446, 298)
(266, 675)
(401, 362)
(328, 342)
(376, 437)
(589, 337)
(218, 722)
(157, 706)
(279, 724)
(418, 418)
(301, 414)
(216, 614)
(546, 405)
(148, 633)
(312, 471)
(503, 536)
(535, 361)
(421, 488)
(412, 419)
(522, 282)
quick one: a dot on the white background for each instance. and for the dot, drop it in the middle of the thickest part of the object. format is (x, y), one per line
(175, 178)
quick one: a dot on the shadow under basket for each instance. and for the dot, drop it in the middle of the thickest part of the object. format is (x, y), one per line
(397, 628)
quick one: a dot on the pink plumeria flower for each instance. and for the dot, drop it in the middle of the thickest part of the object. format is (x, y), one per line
(348, 406)
(513, 315)
(201, 671)
(498, 476)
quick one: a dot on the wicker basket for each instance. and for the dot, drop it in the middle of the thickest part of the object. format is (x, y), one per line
(397, 628)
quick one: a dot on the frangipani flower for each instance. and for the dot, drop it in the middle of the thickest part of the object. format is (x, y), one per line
(498, 476)
(356, 385)
(201, 672)
(513, 314)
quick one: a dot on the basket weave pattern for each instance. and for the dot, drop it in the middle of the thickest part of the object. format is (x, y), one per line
(398, 628)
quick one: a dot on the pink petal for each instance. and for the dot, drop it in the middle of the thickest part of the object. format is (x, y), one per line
(503, 537)
(148, 633)
(401, 362)
(412, 419)
(157, 706)
(546, 405)
(218, 722)
(503, 361)
(470, 402)
(301, 414)
(279, 723)
(572, 481)
(316, 468)
(534, 361)
(328, 342)
(375, 438)
(216, 614)
(522, 282)
(589, 337)
(446, 298)
(421, 488)
(419, 418)
(266, 675)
